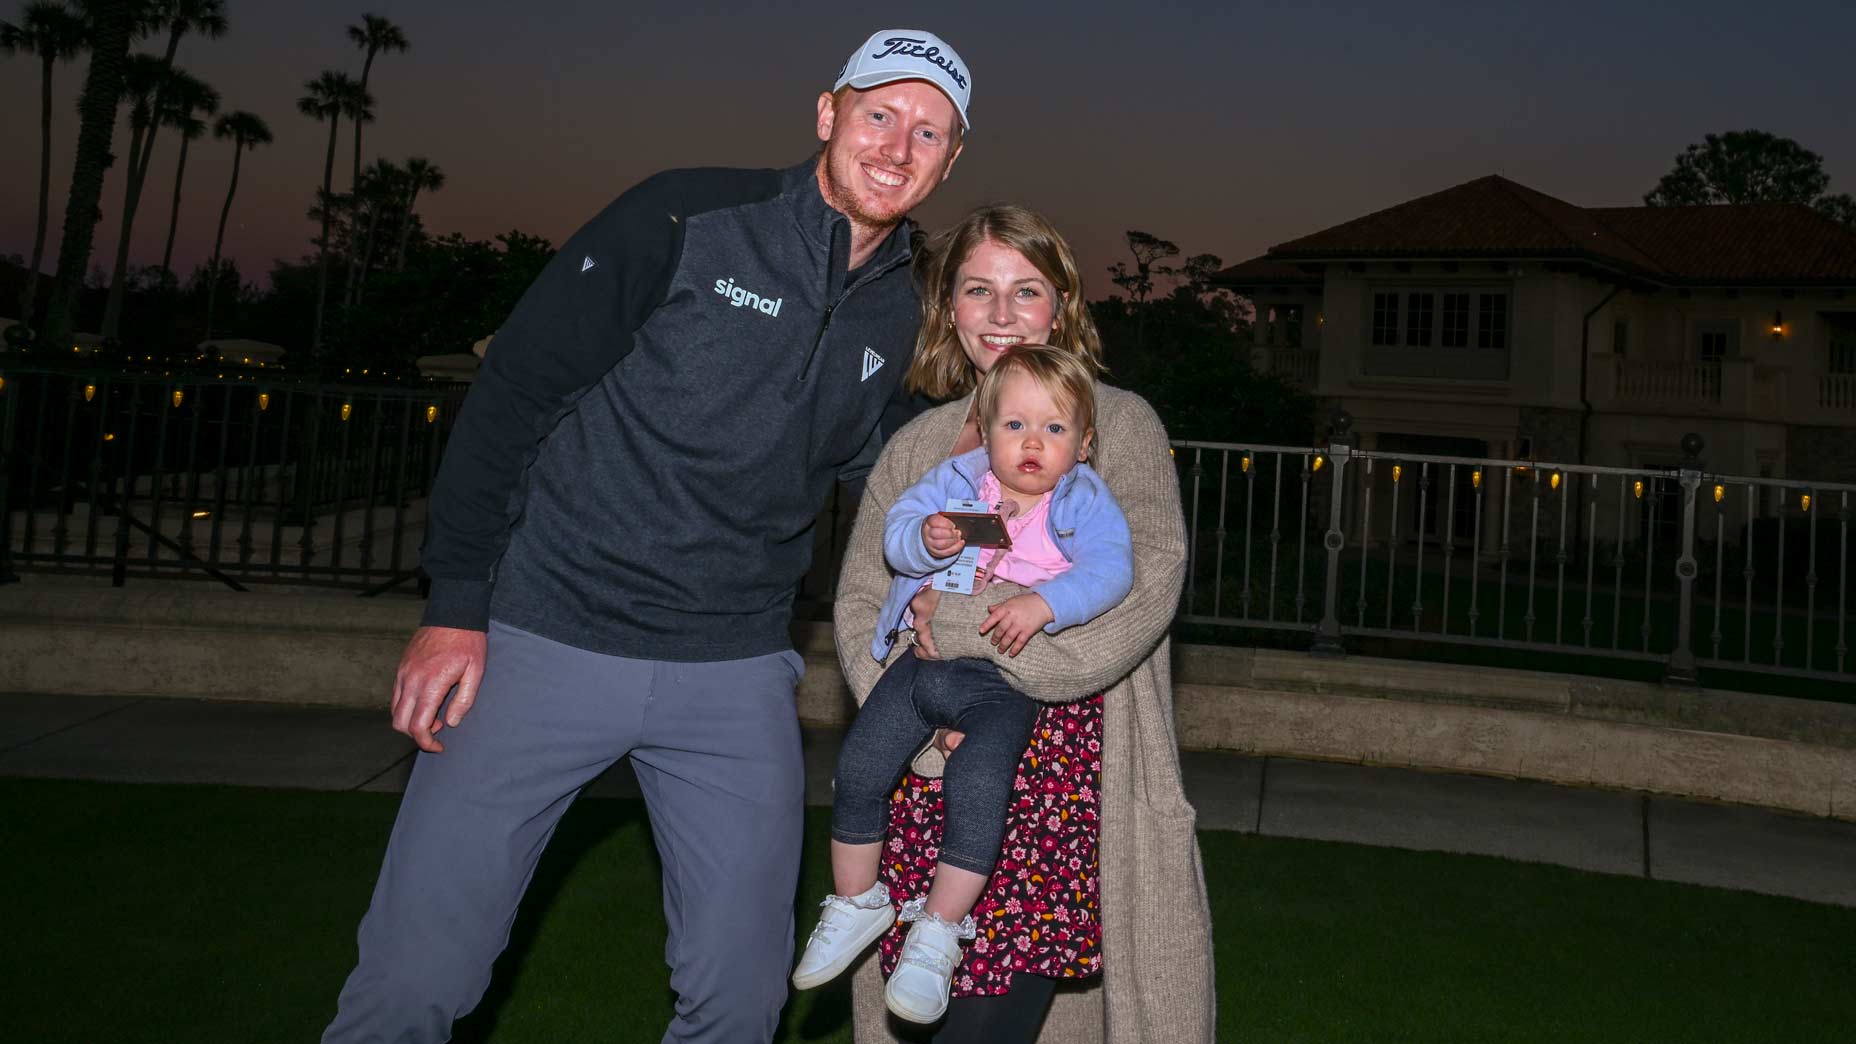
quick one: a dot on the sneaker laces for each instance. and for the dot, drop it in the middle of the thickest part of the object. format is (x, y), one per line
(922, 954)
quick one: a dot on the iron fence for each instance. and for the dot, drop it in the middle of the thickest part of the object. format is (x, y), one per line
(234, 478)
(1673, 566)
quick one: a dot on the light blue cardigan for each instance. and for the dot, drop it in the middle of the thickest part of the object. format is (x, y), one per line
(1085, 523)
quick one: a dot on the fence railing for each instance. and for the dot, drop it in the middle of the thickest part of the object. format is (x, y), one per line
(239, 480)
(1675, 566)
(1837, 391)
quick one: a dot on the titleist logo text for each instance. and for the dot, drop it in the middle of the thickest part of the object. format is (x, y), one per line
(910, 47)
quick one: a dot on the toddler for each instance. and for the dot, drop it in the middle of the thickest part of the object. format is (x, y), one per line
(1069, 543)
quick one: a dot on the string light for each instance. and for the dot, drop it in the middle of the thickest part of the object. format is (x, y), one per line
(1554, 481)
(1319, 460)
(178, 396)
(1636, 489)
(90, 392)
(1719, 492)
(1804, 502)
(431, 415)
(1475, 478)
(1244, 464)
(347, 410)
(264, 401)
(1398, 472)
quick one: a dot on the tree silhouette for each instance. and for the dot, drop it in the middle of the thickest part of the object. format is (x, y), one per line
(329, 97)
(247, 132)
(53, 33)
(421, 175)
(187, 97)
(1750, 166)
(111, 23)
(374, 35)
(177, 18)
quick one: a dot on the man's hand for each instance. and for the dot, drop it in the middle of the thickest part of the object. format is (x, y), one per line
(1012, 622)
(941, 536)
(921, 612)
(436, 659)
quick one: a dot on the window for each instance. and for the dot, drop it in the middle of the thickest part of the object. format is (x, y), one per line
(1422, 308)
(1715, 340)
(1456, 321)
(1842, 343)
(1620, 337)
(1385, 319)
(1492, 321)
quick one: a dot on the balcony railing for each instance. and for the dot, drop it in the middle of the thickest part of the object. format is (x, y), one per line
(1300, 366)
(1837, 391)
(1684, 382)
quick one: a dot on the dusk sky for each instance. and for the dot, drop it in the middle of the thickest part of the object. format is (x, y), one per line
(1224, 127)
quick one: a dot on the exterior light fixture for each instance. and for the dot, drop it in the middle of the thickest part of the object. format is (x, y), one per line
(1719, 492)
(90, 392)
(1636, 489)
(178, 396)
(347, 410)
(1778, 325)
(431, 416)
(264, 401)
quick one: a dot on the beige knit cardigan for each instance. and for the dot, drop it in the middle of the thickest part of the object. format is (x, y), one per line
(1156, 986)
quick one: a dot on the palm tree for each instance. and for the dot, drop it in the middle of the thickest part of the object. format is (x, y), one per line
(178, 17)
(142, 81)
(110, 24)
(382, 186)
(185, 98)
(247, 132)
(55, 34)
(421, 173)
(374, 35)
(330, 96)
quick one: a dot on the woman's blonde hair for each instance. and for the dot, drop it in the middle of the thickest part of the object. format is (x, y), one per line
(941, 370)
(1065, 376)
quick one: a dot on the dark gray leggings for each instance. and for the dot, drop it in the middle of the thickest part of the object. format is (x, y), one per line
(912, 699)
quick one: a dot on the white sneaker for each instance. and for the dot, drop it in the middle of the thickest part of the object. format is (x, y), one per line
(846, 928)
(918, 989)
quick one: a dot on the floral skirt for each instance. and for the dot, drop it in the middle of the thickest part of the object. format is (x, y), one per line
(1038, 913)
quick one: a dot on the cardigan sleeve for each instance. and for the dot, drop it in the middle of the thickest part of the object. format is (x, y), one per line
(863, 580)
(1134, 460)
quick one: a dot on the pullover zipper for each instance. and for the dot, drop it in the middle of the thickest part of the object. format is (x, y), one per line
(805, 370)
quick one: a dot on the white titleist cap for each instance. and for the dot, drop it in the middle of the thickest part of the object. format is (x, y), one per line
(909, 54)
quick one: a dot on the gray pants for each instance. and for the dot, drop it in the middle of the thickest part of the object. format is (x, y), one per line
(716, 750)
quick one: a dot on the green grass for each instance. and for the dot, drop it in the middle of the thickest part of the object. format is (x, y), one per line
(162, 913)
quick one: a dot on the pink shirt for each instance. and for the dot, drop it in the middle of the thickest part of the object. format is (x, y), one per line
(1033, 558)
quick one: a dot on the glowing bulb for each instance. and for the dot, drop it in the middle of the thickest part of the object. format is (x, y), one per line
(264, 401)
(2, 384)
(347, 410)
(1397, 472)
(1719, 492)
(1319, 460)
(1804, 502)
(431, 415)
(178, 396)
(1475, 478)
(109, 436)
(90, 392)
(1244, 464)
(1636, 489)
(1554, 482)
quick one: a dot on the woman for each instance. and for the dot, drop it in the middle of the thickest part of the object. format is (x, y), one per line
(1100, 880)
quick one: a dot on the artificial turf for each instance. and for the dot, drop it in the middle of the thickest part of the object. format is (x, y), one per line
(202, 914)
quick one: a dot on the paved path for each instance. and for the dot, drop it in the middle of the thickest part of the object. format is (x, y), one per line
(270, 745)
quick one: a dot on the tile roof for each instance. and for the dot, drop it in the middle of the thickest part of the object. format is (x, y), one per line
(1496, 218)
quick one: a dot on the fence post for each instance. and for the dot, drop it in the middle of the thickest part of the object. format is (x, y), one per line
(1340, 450)
(1682, 658)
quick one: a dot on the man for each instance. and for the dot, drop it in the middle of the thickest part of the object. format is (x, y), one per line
(619, 525)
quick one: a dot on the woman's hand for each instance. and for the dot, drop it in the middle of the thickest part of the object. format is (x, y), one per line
(921, 609)
(1012, 622)
(941, 537)
(945, 740)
